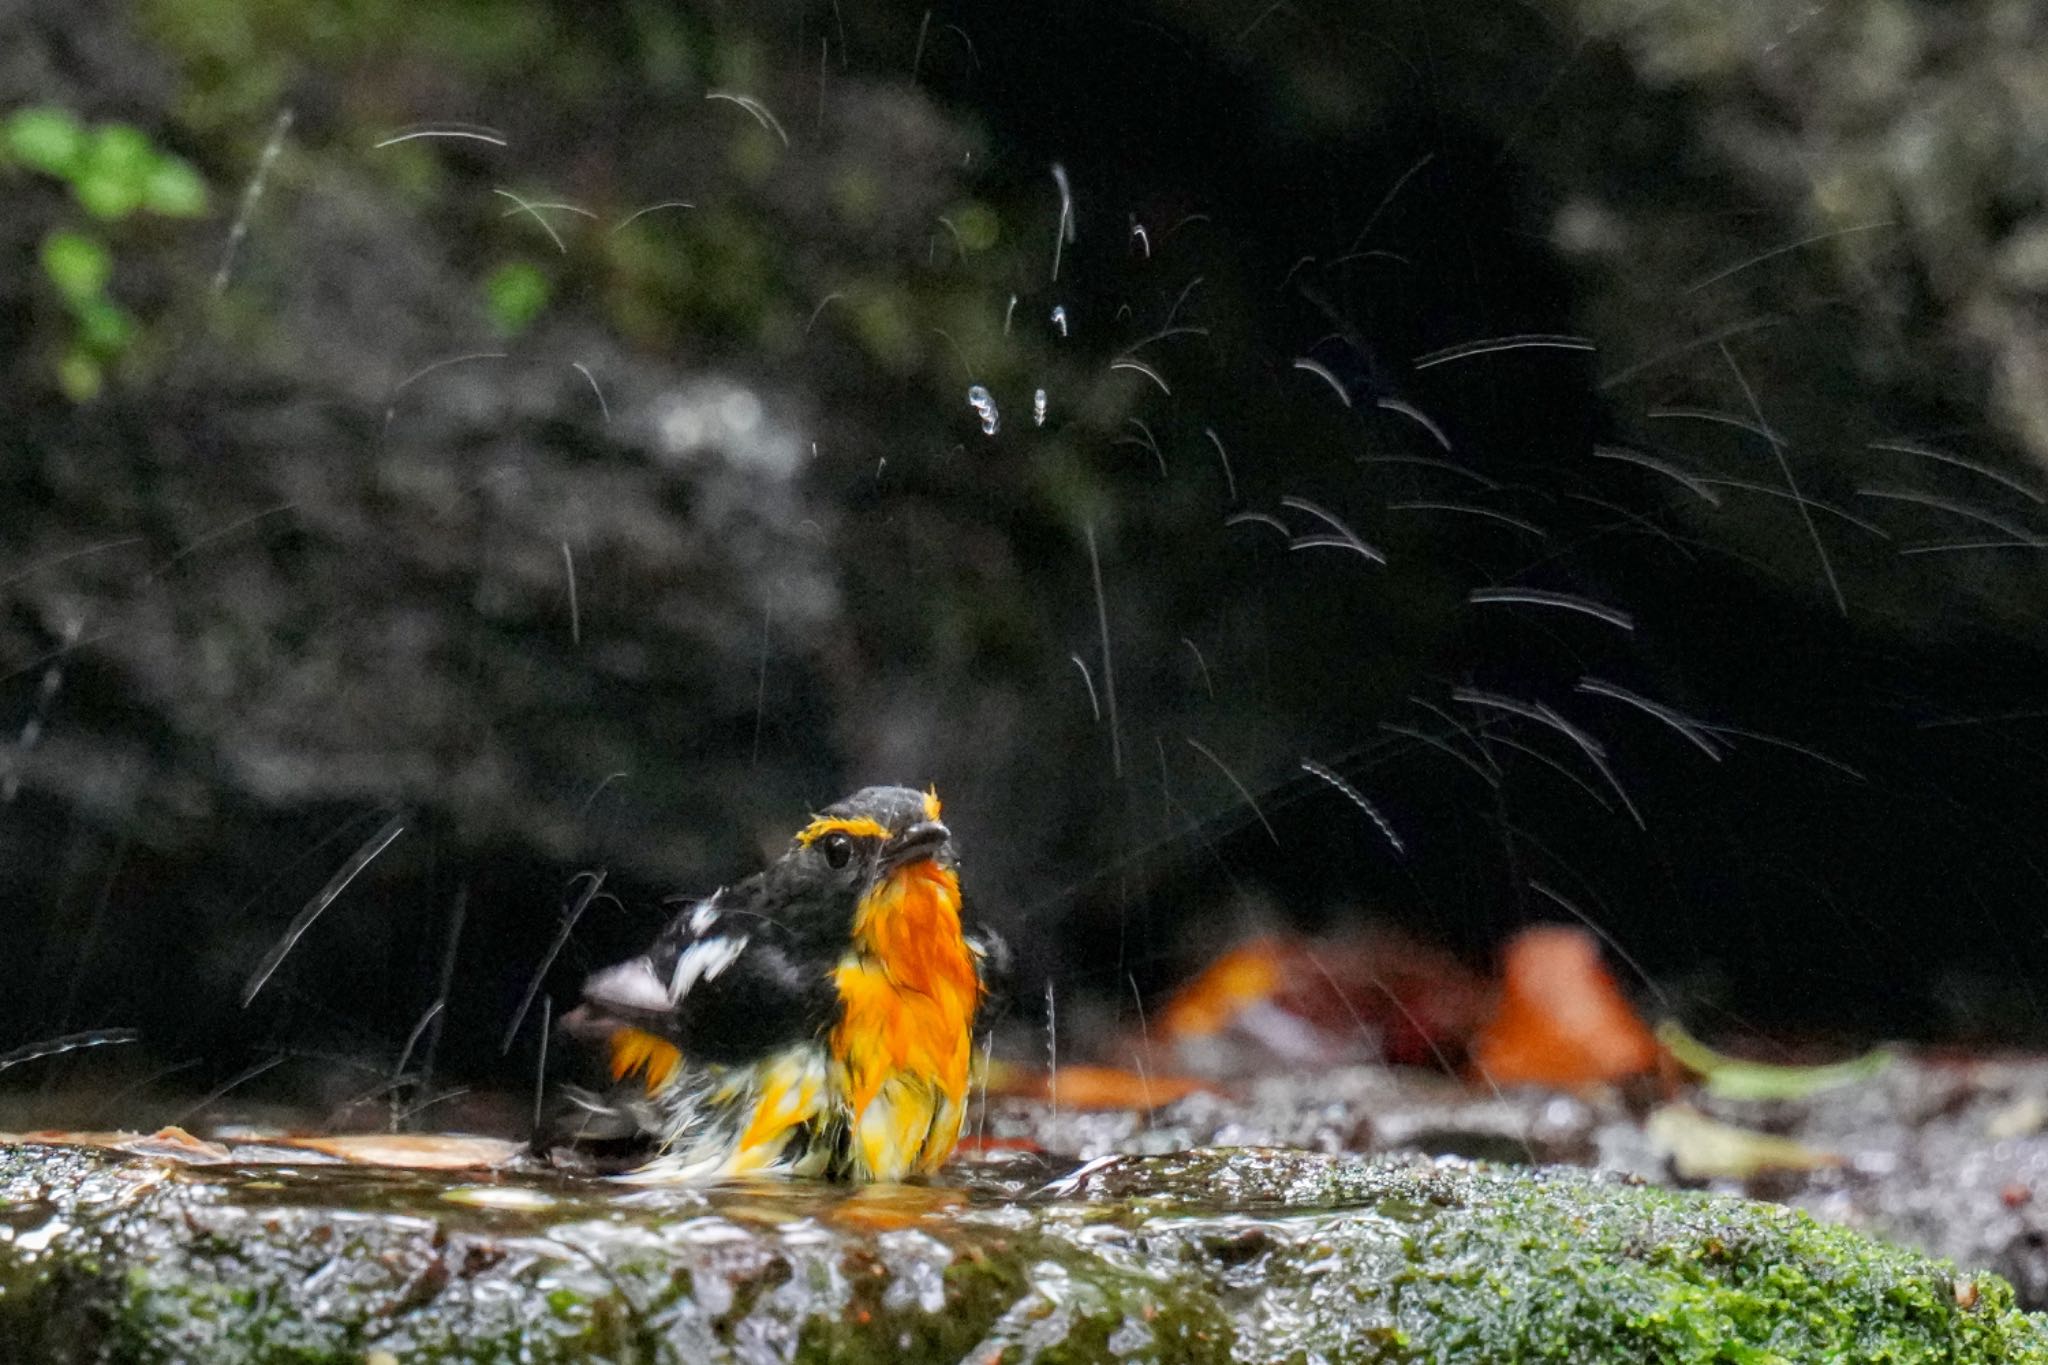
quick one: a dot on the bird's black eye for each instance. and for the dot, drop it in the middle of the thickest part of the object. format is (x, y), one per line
(838, 850)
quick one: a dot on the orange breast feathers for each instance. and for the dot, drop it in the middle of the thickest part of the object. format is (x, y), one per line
(909, 991)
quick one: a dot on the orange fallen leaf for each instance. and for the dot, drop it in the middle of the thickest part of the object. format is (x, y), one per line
(971, 1146)
(1561, 1020)
(1093, 1087)
(1243, 976)
(1373, 992)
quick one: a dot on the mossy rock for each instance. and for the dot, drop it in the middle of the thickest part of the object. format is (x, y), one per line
(1212, 1255)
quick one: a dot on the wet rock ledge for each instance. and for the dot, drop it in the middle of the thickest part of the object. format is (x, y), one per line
(1209, 1255)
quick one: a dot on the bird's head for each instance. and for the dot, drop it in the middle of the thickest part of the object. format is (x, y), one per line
(856, 847)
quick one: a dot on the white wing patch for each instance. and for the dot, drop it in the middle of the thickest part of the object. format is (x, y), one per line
(703, 960)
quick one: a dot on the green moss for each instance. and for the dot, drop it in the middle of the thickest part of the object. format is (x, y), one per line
(1568, 1267)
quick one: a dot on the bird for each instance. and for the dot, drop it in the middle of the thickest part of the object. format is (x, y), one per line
(815, 1019)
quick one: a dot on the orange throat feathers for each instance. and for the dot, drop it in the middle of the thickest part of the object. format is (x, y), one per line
(908, 993)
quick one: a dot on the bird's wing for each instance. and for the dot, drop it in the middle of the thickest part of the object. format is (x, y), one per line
(721, 985)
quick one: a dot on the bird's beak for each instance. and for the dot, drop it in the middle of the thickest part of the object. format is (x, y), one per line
(630, 986)
(921, 840)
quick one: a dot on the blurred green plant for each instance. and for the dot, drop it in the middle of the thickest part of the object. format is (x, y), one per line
(514, 294)
(114, 172)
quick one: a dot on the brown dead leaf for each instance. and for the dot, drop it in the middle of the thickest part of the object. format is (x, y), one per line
(176, 1144)
(884, 1208)
(169, 1144)
(411, 1151)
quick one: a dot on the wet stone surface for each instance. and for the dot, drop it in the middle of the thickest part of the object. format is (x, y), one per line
(1201, 1255)
(1950, 1157)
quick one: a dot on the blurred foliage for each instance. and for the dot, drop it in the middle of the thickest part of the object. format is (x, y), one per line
(242, 57)
(113, 169)
(725, 271)
(515, 293)
(114, 172)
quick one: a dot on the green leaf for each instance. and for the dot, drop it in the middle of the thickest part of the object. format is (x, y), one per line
(1737, 1078)
(121, 149)
(79, 375)
(515, 293)
(78, 265)
(115, 170)
(106, 197)
(104, 327)
(49, 140)
(174, 189)
(1701, 1148)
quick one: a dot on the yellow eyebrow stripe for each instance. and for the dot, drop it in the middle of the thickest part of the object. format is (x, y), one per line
(860, 827)
(931, 803)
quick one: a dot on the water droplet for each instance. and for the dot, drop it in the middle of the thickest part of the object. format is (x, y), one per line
(1038, 408)
(985, 408)
(1059, 318)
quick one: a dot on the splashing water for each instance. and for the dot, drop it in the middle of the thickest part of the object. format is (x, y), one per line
(1065, 232)
(984, 407)
(1038, 408)
(1059, 319)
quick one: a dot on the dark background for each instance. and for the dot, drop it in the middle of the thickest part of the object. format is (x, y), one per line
(294, 568)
